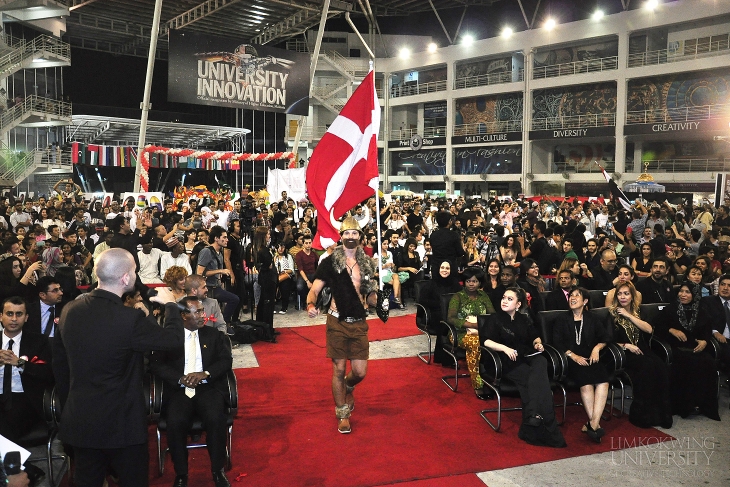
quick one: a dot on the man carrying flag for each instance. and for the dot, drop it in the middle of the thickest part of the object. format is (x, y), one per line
(342, 172)
(616, 193)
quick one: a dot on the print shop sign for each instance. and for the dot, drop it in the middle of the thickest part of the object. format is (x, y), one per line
(474, 160)
(208, 70)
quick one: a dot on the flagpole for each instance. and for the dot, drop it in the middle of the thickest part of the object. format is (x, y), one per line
(378, 232)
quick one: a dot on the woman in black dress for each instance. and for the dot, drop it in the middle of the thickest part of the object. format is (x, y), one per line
(491, 280)
(409, 261)
(581, 337)
(649, 374)
(443, 282)
(267, 276)
(642, 263)
(509, 331)
(693, 373)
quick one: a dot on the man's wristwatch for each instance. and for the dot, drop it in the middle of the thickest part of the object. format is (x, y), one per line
(207, 374)
(21, 362)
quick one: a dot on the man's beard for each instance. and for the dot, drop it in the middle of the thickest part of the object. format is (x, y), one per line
(350, 243)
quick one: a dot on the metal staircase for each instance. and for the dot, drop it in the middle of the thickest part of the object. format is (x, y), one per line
(17, 54)
(35, 111)
(334, 96)
(16, 166)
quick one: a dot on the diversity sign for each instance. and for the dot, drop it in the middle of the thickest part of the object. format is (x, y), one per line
(209, 70)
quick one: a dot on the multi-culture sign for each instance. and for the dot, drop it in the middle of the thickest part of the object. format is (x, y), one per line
(209, 70)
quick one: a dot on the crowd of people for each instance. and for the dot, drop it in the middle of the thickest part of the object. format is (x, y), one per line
(509, 259)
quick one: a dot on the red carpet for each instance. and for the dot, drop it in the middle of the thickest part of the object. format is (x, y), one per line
(396, 327)
(404, 424)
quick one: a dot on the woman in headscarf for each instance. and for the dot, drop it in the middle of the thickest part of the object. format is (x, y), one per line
(509, 332)
(207, 217)
(693, 373)
(53, 260)
(649, 374)
(581, 337)
(464, 308)
(442, 282)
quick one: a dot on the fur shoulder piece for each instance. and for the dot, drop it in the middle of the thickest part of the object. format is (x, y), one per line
(368, 283)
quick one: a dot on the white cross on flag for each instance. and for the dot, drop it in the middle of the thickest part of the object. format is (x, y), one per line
(343, 169)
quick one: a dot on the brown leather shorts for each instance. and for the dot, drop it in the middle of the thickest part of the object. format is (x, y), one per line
(347, 340)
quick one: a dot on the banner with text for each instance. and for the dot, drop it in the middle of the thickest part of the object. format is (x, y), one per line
(210, 70)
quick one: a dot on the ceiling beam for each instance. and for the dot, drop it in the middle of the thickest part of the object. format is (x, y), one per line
(292, 25)
(196, 13)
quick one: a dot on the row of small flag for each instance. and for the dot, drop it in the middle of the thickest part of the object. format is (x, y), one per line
(115, 156)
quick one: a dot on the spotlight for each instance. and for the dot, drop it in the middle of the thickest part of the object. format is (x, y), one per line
(651, 4)
(468, 40)
(432, 47)
(507, 32)
(550, 24)
(404, 53)
(597, 15)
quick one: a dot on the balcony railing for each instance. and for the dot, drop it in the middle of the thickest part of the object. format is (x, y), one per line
(583, 168)
(705, 112)
(577, 67)
(397, 91)
(665, 56)
(489, 79)
(405, 134)
(488, 127)
(316, 133)
(575, 121)
(688, 165)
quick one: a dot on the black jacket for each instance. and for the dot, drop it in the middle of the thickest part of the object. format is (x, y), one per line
(98, 362)
(445, 245)
(556, 300)
(37, 373)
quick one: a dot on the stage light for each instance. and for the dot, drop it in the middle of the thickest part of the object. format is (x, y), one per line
(598, 15)
(651, 4)
(507, 32)
(404, 53)
(550, 24)
(468, 40)
(432, 47)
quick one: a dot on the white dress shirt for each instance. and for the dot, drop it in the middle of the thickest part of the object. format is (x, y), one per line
(16, 383)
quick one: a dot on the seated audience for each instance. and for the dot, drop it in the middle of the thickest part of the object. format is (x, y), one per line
(581, 337)
(443, 282)
(464, 308)
(693, 374)
(510, 332)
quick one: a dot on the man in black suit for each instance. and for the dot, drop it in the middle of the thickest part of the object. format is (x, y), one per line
(716, 310)
(605, 276)
(98, 362)
(445, 245)
(656, 288)
(25, 372)
(558, 298)
(195, 385)
(43, 314)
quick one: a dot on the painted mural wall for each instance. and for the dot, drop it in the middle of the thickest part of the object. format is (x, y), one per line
(670, 96)
(569, 54)
(486, 109)
(574, 100)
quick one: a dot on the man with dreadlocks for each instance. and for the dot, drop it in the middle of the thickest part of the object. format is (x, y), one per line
(350, 275)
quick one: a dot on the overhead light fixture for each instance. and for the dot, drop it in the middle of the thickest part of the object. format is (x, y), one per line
(550, 23)
(432, 47)
(597, 15)
(404, 53)
(651, 4)
(468, 40)
(507, 32)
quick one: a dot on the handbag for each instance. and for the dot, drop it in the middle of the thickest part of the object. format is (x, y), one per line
(283, 276)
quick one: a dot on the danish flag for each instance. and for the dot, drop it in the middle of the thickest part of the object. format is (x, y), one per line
(343, 169)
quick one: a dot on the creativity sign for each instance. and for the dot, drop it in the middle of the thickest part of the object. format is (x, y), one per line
(210, 70)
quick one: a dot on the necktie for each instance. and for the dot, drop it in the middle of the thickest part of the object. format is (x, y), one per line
(8, 381)
(190, 361)
(50, 322)
(727, 314)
